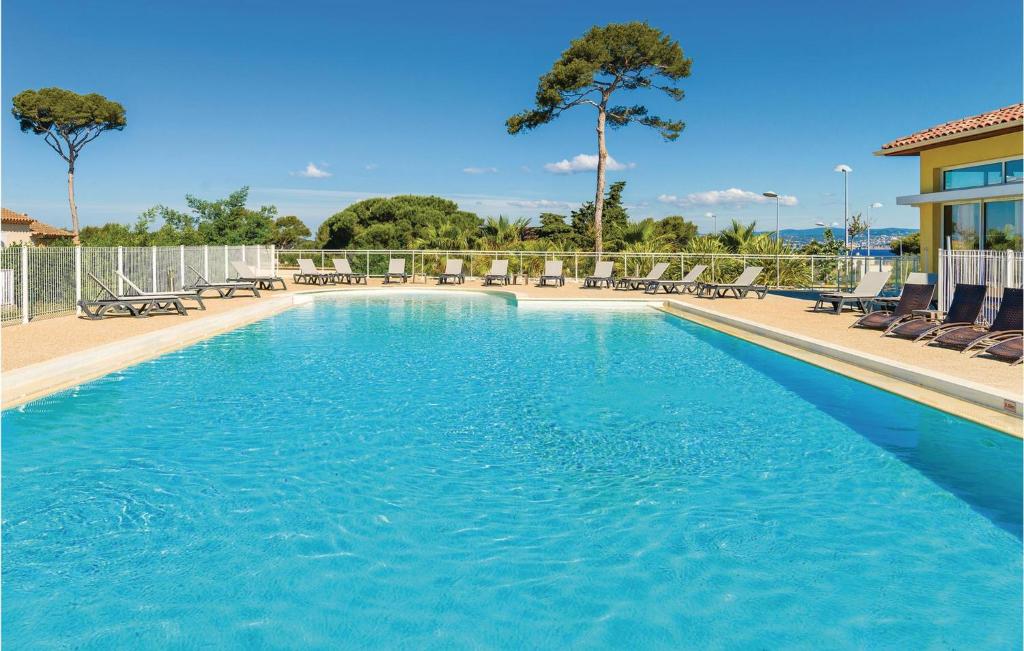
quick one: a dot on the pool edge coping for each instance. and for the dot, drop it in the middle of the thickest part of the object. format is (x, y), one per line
(970, 401)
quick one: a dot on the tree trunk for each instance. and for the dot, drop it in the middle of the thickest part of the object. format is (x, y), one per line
(602, 158)
(71, 201)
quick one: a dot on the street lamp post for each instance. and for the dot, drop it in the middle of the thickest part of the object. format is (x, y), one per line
(845, 169)
(775, 195)
(714, 221)
(870, 206)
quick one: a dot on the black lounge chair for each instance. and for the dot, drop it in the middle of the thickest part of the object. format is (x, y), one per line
(913, 298)
(109, 302)
(396, 270)
(743, 285)
(1009, 350)
(1009, 322)
(552, 273)
(184, 295)
(963, 311)
(225, 289)
(343, 272)
(245, 273)
(688, 283)
(498, 273)
(867, 290)
(603, 271)
(636, 282)
(308, 274)
(452, 273)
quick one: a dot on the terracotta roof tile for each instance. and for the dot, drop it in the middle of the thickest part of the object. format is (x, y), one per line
(38, 228)
(1006, 115)
(8, 216)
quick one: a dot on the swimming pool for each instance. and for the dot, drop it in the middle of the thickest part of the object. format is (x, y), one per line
(431, 472)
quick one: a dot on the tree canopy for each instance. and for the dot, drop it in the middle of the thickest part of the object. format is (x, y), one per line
(394, 222)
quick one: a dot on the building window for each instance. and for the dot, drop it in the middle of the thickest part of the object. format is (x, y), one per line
(961, 225)
(1015, 170)
(972, 177)
(1003, 225)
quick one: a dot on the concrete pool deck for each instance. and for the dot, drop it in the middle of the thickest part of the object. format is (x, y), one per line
(72, 350)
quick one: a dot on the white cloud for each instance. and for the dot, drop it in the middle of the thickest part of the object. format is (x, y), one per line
(584, 163)
(480, 170)
(541, 204)
(369, 167)
(730, 197)
(313, 172)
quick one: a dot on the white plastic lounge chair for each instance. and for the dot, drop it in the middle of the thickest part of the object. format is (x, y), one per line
(866, 291)
(344, 273)
(224, 290)
(452, 272)
(633, 282)
(552, 273)
(109, 302)
(603, 271)
(244, 272)
(396, 269)
(184, 295)
(688, 283)
(498, 273)
(743, 285)
(308, 274)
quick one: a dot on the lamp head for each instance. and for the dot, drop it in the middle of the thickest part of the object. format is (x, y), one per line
(771, 195)
(843, 168)
(876, 205)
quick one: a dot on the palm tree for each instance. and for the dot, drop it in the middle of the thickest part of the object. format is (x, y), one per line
(637, 237)
(738, 234)
(446, 236)
(503, 233)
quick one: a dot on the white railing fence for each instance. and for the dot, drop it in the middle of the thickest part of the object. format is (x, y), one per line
(42, 282)
(995, 269)
(785, 271)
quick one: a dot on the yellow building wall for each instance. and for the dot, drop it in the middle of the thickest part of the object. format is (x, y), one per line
(932, 163)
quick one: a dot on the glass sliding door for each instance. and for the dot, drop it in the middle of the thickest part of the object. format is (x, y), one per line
(1003, 225)
(961, 226)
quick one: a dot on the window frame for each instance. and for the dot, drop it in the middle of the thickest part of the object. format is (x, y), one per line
(979, 163)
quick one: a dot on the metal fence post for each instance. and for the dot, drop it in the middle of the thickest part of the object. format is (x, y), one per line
(206, 261)
(226, 276)
(181, 267)
(78, 279)
(120, 269)
(152, 265)
(273, 260)
(24, 284)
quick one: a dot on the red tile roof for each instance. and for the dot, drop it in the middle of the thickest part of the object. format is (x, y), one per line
(38, 228)
(8, 216)
(1010, 116)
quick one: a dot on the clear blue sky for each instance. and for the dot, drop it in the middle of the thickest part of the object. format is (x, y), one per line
(411, 97)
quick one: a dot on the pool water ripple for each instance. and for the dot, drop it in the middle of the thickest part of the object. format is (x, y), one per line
(453, 472)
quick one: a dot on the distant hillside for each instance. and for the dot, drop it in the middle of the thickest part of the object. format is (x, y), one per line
(879, 236)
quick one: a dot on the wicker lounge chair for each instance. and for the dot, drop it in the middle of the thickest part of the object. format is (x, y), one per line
(396, 270)
(689, 282)
(1009, 350)
(245, 273)
(184, 295)
(635, 282)
(552, 273)
(743, 285)
(343, 272)
(452, 273)
(308, 274)
(109, 302)
(603, 271)
(224, 290)
(963, 311)
(915, 296)
(867, 290)
(1008, 322)
(498, 273)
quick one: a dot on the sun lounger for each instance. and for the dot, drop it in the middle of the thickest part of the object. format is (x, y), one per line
(308, 274)
(1009, 350)
(245, 273)
(343, 272)
(552, 273)
(498, 273)
(963, 311)
(184, 295)
(224, 290)
(743, 285)
(603, 271)
(867, 290)
(1006, 324)
(109, 302)
(396, 269)
(452, 272)
(915, 297)
(633, 282)
(688, 283)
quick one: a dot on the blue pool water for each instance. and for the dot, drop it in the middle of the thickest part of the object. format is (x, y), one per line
(425, 472)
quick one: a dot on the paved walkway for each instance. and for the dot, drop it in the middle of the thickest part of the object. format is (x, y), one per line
(43, 340)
